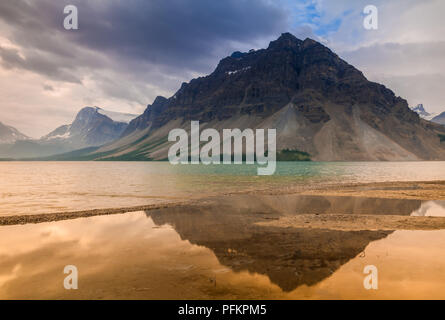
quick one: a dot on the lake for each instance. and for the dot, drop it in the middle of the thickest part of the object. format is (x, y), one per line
(232, 242)
(46, 187)
(219, 251)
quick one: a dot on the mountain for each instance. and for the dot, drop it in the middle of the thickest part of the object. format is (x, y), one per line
(440, 119)
(320, 105)
(9, 135)
(420, 110)
(92, 126)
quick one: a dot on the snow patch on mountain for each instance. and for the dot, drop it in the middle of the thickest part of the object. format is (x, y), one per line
(420, 110)
(236, 71)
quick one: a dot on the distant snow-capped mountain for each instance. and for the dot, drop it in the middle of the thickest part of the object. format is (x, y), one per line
(91, 127)
(10, 134)
(420, 110)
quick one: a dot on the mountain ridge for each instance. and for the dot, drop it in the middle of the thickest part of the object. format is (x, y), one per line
(421, 111)
(320, 105)
(318, 102)
(440, 119)
(9, 134)
(92, 127)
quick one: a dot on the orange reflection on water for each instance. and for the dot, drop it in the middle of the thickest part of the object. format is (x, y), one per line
(130, 256)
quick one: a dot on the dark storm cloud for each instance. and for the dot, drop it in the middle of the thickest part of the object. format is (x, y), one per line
(175, 34)
(125, 53)
(37, 63)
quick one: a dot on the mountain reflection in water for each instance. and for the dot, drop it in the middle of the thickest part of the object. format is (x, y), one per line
(218, 250)
(290, 257)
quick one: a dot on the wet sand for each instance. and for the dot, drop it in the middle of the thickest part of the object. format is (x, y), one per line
(58, 216)
(358, 222)
(421, 190)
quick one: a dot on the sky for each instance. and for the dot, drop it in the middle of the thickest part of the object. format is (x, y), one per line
(125, 53)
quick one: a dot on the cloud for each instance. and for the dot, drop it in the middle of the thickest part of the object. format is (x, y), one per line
(399, 59)
(420, 88)
(174, 34)
(48, 87)
(414, 71)
(125, 53)
(178, 33)
(35, 62)
(405, 53)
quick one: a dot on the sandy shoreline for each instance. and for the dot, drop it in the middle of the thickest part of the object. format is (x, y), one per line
(57, 216)
(348, 222)
(418, 190)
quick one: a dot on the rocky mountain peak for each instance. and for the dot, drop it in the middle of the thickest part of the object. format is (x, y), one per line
(85, 118)
(419, 108)
(10, 134)
(286, 40)
(91, 127)
(260, 82)
(159, 100)
(318, 103)
(422, 112)
(150, 113)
